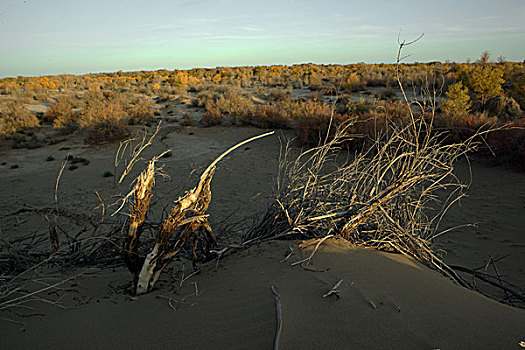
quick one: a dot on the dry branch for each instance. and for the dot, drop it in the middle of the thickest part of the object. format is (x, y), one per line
(279, 317)
(187, 220)
(333, 290)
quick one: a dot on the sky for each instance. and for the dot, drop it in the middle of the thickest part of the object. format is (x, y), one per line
(42, 37)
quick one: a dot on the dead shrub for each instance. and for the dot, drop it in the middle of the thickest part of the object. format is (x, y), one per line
(376, 198)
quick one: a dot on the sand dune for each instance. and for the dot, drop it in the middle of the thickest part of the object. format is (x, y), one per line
(386, 301)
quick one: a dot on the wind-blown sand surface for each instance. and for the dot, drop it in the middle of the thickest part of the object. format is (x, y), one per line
(386, 300)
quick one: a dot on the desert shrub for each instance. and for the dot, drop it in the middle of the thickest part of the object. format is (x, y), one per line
(353, 83)
(103, 117)
(41, 97)
(26, 141)
(211, 117)
(394, 110)
(457, 103)
(15, 117)
(314, 120)
(506, 108)
(378, 198)
(60, 113)
(278, 94)
(187, 120)
(203, 98)
(315, 81)
(518, 90)
(316, 95)
(486, 82)
(78, 160)
(140, 110)
(102, 132)
(346, 104)
(462, 128)
(260, 90)
(508, 144)
(102, 112)
(233, 104)
(269, 117)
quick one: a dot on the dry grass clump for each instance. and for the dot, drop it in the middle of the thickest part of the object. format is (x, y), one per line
(15, 117)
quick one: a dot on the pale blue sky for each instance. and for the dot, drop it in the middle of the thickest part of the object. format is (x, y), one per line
(40, 37)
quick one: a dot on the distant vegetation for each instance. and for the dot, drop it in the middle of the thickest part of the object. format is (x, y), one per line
(459, 97)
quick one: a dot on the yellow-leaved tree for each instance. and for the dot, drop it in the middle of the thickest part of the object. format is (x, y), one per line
(457, 103)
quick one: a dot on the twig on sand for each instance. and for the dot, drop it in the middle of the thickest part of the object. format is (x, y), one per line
(480, 276)
(170, 301)
(196, 289)
(290, 253)
(279, 317)
(58, 180)
(307, 260)
(219, 255)
(185, 278)
(334, 290)
(27, 297)
(23, 324)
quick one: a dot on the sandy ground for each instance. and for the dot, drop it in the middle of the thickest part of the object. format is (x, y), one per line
(385, 300)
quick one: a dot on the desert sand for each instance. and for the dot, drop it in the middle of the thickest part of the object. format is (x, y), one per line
(385, 300)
